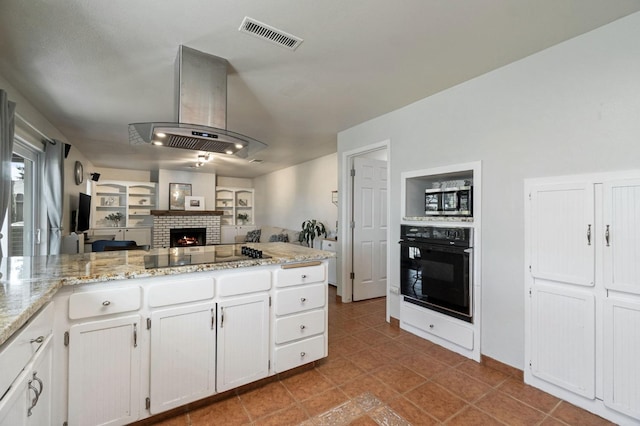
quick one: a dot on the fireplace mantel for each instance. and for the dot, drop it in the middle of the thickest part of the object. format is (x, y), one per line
(186, 213)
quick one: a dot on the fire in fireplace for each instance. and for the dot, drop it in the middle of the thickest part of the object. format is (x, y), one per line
(188, 237)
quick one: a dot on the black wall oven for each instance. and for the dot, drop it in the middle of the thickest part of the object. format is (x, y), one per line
(435, 269)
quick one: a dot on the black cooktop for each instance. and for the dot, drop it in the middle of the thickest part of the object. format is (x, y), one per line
(199, 256)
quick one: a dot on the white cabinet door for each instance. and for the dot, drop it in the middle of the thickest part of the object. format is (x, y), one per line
(562, 233)
(104, 372)
(621, 235)
(28, 402)
(14, 404)
(243, 341)
(182, 355)
(621, 355)
(563, 337)
(228, 234)
(142, 236)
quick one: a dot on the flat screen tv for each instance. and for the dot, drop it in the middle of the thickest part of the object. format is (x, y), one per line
(84, 212)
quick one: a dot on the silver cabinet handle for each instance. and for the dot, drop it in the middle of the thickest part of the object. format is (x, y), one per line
(607, 235)
(589, 235)
(302, 354)
(302, 327)
(304, 276)
(38, 339)
(303, 299)
(34, 401)
(221, 317)
(37, 379)
(135, 335)
(106, 303)
(431, 326)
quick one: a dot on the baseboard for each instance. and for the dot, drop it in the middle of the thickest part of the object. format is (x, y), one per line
(502, 367)
(395, 322)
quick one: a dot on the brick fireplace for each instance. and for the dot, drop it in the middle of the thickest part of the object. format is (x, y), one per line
(165, 220)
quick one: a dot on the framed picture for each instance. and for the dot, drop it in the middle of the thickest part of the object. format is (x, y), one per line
(177, 193)
(193, 203)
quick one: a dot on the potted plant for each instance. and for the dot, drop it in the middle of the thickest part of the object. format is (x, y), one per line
(242, 217)
(115, 218)
(310, 230)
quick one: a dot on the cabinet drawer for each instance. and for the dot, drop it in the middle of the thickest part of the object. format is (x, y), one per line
(295, 354)
(445, 328)
(104, 302)
(329, 245)
(299, 326)
(181, 291)
(243, 283)
(18, 350)
(300, 299)
(300, 275)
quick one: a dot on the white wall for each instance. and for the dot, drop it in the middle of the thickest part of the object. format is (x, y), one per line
(202, 185)
(122, 174)
(290, 196)
(573, 108)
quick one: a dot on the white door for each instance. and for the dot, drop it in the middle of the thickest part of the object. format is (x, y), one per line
(243, 341)
(562, 233)
(369, 228)
(182, 355)
(621, 355)
(621, 235)
(563, 337)
(104, 372)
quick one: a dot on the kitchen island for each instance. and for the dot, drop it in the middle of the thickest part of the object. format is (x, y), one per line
(193, 323)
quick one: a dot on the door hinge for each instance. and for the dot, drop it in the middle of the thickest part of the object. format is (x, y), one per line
(213, 319)
(147, 403)
(148, 323)
(353, 172)
(269, 365)
(269, 300)
(66, 338)
(353, 224)
(352, 275)
(530, 292)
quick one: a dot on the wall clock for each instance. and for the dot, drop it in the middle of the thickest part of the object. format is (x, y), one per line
(78, 172)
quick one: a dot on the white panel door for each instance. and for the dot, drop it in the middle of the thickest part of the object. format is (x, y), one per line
(243, 341)
(621, 356)
(370, 229)
(562, 233)
(182, 355)
(563, 337)
(621, 235)
(104, 372)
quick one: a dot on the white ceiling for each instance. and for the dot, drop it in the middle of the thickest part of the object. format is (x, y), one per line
(91, 67)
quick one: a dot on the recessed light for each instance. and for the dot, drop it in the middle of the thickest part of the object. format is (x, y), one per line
(239, 146)
(156, 143)
(161, 135)
(228, 152)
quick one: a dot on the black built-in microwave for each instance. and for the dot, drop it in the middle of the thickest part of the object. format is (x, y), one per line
(449, 201)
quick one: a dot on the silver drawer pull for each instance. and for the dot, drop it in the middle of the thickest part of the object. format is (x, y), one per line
(431, 325)
(106, 303)
(303, 299)
(302, 327)
(38, 339)
(304, 276)
(302, 354)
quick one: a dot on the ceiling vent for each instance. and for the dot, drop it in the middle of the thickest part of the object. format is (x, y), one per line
(269, 33)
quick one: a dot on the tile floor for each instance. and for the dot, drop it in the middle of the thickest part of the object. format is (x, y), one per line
(408, 378)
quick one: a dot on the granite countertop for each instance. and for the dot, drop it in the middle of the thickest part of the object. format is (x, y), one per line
(28, 283)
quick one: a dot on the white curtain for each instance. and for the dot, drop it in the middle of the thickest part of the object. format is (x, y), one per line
(7, 128)
(53, 187)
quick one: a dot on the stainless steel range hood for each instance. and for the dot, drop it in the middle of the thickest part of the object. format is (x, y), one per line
(201, 111)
